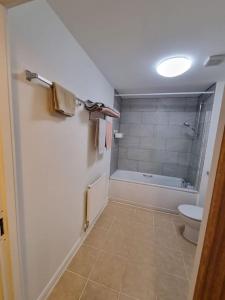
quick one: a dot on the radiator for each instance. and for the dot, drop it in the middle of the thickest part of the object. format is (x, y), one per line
(96, 200)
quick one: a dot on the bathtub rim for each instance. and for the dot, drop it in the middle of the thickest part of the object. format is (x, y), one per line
(155, 185)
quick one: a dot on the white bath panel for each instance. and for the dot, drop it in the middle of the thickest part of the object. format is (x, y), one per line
(165, 198)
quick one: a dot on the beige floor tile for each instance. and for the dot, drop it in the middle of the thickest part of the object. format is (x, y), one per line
(141, 231)
(171, 288)
(144, 216)
(139, 253)
(96, 238)
(84, 260)
(177, 220)
(165, 231)
(109, 271)
(122, 212)
(125, 297)
(104, 222)
(95, 291)
(170, 261)
(163, 219)
(142, 251)
(187, 247)
(122, 227)
(164, 240)
(69, 287)
(117, 244)
(140, 281)
(189, 264)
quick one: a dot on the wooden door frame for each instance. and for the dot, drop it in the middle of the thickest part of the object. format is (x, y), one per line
(8, 159)
(210, 283)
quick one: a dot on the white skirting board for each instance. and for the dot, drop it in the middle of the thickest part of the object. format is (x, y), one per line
(65, 263)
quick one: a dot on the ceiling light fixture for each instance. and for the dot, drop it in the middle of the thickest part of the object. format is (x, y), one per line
(174, 66)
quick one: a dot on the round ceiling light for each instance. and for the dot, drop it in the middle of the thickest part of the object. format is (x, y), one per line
(174, 66)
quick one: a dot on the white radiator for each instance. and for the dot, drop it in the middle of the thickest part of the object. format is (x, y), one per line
(96, 199)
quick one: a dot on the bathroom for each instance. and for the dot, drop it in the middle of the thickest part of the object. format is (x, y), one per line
(108, 197)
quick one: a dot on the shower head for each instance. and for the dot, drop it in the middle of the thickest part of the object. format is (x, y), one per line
(188, 125)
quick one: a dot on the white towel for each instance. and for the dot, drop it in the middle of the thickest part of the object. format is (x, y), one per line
(101, 135)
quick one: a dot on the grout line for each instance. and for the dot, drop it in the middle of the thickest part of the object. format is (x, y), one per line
(101, 251)
(97, 259)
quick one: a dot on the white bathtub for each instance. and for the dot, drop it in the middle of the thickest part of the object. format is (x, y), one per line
(150, 191)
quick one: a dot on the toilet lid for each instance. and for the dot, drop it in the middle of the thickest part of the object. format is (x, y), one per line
(191, 211)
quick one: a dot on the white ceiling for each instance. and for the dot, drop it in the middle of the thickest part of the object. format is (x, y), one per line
(126, 38)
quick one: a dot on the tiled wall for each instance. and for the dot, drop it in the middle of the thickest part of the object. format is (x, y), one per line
(115, 143)
(155, 140)
(199, 145)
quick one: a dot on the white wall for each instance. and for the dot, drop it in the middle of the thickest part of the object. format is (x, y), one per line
(55, 156)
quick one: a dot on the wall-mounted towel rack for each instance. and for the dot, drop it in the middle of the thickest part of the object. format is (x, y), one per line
(92, 107)
(30, 76)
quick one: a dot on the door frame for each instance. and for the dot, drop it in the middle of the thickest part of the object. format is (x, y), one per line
(211, 274)
(210, 200)
(8, 157)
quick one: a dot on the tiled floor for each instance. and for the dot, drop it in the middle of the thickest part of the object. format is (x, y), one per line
(130, 254)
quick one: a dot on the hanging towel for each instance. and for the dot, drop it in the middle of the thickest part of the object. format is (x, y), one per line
(63, 101)
(101, 124)
(108, 140)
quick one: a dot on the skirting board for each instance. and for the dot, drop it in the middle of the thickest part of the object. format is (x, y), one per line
(62, 268)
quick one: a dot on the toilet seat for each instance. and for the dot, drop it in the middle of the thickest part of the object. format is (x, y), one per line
(191, 211)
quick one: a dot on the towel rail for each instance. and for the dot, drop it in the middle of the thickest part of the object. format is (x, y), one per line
(104, 110)
(30, 76)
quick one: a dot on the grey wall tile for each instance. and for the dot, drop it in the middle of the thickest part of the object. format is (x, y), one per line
(123, 152)
(131, 117)
(128, 164)
(179, 145)
(128, 141)
(181, 117)
(141, 130)
(172, 131)
(139, 154)
(175, 170)
(158, 118)
(154, 142)
(115, 143)
(155, 139)
(150, 167)
(199, 145)
(143, 104)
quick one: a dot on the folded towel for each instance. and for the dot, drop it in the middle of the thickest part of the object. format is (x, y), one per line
(93, 106)
(63, 101)
(108, 139)
(100, 107)
(107, 111)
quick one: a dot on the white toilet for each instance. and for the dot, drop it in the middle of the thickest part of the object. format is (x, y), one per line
(192, 217)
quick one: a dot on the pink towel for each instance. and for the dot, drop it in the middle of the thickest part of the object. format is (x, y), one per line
(108, 138)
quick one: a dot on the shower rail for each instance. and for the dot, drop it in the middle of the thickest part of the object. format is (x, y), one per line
(166, 94)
